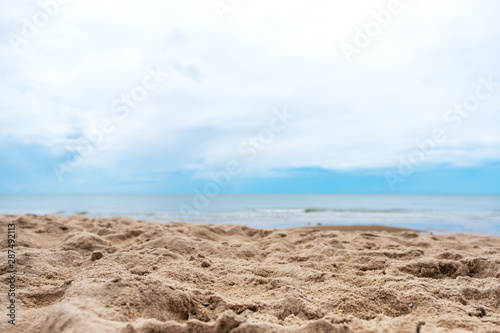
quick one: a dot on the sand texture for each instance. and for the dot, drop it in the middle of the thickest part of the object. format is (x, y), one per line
(121, 275)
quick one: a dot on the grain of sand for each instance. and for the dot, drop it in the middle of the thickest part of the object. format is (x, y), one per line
(78, 274)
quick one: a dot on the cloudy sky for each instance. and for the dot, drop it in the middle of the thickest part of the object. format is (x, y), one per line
(302, 96)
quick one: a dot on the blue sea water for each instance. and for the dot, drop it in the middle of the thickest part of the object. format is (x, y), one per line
(436, 213)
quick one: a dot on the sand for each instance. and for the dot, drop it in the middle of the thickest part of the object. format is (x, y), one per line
(77, 274)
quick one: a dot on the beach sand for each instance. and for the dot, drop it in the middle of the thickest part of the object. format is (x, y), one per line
(77, 274)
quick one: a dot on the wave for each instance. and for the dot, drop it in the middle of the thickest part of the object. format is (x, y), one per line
(327, 210)
(355, 210)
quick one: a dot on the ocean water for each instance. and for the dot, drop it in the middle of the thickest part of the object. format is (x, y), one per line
(434, 213)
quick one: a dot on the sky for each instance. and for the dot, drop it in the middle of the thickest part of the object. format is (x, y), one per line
(314, 96)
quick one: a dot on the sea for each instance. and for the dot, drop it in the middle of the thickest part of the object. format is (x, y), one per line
(477, 214)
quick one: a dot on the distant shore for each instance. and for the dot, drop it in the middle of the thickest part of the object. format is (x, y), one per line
(79, 274)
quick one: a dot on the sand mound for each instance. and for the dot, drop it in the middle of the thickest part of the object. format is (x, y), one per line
(77, 274)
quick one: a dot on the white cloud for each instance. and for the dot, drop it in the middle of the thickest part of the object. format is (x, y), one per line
(227, 76)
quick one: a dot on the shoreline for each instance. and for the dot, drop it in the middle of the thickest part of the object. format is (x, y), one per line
(359, 227)
(79, 274)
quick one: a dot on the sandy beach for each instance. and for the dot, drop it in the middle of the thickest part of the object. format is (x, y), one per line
(77, 274)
